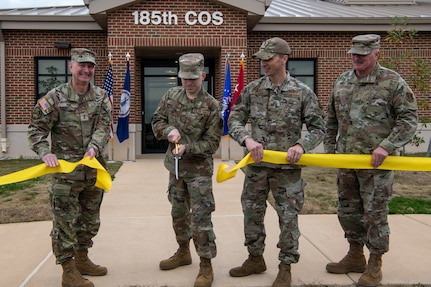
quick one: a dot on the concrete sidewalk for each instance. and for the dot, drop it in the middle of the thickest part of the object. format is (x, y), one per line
(136, 233)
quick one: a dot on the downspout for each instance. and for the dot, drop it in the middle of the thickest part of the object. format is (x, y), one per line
(3, 138)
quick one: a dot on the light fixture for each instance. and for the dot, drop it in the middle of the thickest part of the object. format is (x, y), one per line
(62, 45)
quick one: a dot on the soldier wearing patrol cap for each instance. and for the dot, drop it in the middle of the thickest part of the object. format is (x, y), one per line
(77, 116)
(82, 55)
(190, 119)
(365, 44)
(191, 66)
(371, 110)
(277, 106)
(271, 47)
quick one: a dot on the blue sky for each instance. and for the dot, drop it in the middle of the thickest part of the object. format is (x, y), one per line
(39, 3)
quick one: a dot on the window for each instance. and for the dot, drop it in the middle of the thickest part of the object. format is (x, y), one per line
(51, 72)
(302, 69)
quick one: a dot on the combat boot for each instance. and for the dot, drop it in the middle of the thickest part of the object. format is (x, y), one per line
(72, 277)
(373, 273)
(283, 277)
(354, 261)
(253, 265)
(180, 258)
(205, 276)
(86, 267)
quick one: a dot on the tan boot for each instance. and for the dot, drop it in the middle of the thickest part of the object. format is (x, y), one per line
(205, 276)
(373, 274)
(283, 277)
(253, 265)
(354, 261)
(72, 277)
(86, 266)
(180, 258)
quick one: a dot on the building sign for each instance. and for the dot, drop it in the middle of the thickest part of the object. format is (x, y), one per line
(169, 18)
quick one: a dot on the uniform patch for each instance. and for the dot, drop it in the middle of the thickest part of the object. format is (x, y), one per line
(37, 114)
(43, 103)
(410, 97)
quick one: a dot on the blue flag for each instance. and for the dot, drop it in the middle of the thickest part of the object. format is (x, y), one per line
(123, 114)
(108, 86)
(226, 100)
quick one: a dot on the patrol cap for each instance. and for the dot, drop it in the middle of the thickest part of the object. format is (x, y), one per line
(271, 47)
(191, 66)
(364, 44)
(82, 55)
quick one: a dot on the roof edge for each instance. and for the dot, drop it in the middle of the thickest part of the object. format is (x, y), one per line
(257, 7)
(96, 7)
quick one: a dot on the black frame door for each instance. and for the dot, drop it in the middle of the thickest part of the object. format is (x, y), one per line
(157, 77)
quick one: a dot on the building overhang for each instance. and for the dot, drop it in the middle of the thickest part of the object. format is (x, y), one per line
(255, 8)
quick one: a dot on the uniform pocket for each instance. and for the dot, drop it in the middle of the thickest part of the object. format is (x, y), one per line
(60, 203)
(59, 189)
(295, 194)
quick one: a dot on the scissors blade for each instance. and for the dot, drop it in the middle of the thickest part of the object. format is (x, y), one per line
(176, 160)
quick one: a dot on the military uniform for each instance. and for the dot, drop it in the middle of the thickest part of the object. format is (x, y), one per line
(365, 113)
(200, 124)
(276, 115)
(76, 123)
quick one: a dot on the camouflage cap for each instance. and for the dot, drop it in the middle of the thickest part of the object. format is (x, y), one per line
(364, 44)
(271, 47)
(82, 55)
(191, 66)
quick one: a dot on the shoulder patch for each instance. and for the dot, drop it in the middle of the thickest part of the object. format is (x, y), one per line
(37, 114)
(44, 105)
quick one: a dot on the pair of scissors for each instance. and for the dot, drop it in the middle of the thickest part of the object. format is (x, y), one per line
(177, 158)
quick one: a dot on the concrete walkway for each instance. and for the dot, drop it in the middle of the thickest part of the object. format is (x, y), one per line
(136, 233)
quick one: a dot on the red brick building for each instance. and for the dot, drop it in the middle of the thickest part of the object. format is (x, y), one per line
(35, 47)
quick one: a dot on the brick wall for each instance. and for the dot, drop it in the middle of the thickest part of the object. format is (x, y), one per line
(21, 49)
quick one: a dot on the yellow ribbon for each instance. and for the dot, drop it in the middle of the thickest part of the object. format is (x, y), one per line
(354, 161)
(103, 180)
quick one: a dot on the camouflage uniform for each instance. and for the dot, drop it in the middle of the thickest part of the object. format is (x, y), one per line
(76, 123)
(276, 115)
(365, 113)
(200, 125)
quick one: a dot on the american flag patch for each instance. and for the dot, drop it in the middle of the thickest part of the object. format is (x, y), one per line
(44, 104)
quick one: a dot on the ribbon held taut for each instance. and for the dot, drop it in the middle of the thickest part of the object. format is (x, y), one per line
(103, 180)
(351, 161)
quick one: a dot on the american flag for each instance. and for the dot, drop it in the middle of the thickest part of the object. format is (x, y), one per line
(108, 86)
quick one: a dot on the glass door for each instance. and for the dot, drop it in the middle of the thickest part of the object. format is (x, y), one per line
(158, 77)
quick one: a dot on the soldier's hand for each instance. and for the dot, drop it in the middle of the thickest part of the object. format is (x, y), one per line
(294, 153)
(50, 160)
(174, 136)
(378, 157)
(91, 153)
(181, 150)
(255, 148)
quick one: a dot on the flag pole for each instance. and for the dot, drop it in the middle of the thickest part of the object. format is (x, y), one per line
(112, 130)
(228, 141)
(124, 111)
(238, 87)
(128, 139)
(108, 86)
(226, 100)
